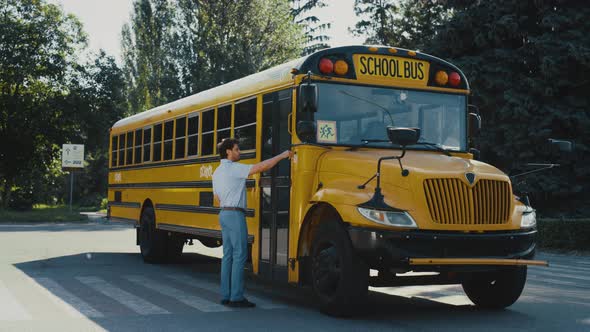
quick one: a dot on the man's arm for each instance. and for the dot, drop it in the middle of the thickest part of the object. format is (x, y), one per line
(269, 163)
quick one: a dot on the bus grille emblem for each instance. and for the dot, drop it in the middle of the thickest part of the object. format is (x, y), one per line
(470, 178)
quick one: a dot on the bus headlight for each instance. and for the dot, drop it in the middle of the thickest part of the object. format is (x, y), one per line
(529, 218)
(389, 218)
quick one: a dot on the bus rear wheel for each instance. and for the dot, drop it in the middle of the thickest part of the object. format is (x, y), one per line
(496, 290)
(152, 241)
(339, 277)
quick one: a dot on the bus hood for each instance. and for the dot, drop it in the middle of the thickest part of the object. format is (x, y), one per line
(353, 168)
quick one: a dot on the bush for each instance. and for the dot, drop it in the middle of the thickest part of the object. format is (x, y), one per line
(21, 200)
(570, 234)
(91, 200)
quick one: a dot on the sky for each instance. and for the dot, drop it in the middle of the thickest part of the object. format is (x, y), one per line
(103, 20)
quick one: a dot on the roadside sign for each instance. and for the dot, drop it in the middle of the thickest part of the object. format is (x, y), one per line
(72, 156)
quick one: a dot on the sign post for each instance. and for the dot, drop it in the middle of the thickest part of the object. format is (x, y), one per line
(72, 158)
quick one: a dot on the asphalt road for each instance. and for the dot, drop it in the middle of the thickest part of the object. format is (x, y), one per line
(90, 277)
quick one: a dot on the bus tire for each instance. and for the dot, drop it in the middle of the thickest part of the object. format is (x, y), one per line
(152, 241)
(496, 290)
(339, 277)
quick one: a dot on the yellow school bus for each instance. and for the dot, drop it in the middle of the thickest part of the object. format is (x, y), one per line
(383, 178)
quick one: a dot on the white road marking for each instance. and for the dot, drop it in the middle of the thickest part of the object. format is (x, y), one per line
(452, 299)
(264, 304)
(410, 291)
(129, 300)
(10, 308)
(184, 297)
(73, 305)
(563, 275)
(561, 268)
(551, 281)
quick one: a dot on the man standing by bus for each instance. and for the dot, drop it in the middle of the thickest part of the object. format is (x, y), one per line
(229, 187)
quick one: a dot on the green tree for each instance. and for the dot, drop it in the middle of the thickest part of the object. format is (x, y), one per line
(206, 43)
(147, 46)
(409, 24)
(97, 96)
(528, 63)
(314, 30)
(38, 47)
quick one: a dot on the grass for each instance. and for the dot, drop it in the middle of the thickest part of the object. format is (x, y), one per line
(44, 213)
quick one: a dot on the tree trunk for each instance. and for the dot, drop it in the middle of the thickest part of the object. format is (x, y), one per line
(6, 193)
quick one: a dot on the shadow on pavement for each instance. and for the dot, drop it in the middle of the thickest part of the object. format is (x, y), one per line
(383, 311)
(82, 226)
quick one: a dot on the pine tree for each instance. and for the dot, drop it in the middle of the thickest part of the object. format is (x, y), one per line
(315, 31)
(528, 63)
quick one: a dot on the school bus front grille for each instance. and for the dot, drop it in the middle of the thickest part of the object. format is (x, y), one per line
(451, 201)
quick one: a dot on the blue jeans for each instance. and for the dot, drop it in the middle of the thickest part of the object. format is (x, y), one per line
(234, 234)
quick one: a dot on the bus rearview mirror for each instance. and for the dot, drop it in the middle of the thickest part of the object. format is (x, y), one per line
(403, 136)
(562, 145)
(474, 124)
(308, 98)
(306, 131)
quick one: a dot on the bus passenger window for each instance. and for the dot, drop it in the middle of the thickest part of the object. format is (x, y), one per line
(158, 142)
(168, 139)
(208, 132)
(114, 147)
(245, 124)
(147, 144)
(121, 150)
(129, 149)
(193, 135)
(137, 153)
(223, 122)
(180, 138)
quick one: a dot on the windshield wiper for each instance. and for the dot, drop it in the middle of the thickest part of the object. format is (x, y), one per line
(436, 146)
(365, 141)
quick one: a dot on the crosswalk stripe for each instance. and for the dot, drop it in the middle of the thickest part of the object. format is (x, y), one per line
(188, 299)
(452, 299)
(409, 291)
(563, 275)
(187, 280)
(129, 300)
(73, 305)
(10, 308)
(561, 267)
(551, 281)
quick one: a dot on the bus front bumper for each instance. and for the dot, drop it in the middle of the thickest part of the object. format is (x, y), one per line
(430, 250)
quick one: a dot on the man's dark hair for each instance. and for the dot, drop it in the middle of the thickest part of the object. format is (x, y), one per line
(226, 144)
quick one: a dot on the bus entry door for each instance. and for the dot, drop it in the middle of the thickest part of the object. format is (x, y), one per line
(275, 188)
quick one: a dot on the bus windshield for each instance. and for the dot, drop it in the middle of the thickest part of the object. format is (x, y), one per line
(359, 115)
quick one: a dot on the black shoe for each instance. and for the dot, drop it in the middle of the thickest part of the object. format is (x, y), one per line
(225, 302)
(241, 304)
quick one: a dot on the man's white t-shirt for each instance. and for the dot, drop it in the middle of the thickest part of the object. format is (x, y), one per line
(229, 183)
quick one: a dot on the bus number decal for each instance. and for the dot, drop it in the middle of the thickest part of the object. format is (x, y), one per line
(206, 171)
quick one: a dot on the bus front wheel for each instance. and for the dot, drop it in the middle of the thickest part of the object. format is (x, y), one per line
(339, 276)
(496, 290)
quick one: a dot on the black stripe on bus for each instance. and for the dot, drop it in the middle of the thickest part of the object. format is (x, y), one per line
(245, 156)
(196, 209)
(124, 221)
(125, 204)
(250, 183)
(196, 231)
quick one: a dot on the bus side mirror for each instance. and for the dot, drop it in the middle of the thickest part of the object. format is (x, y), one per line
(474, 124)
(562, 145)
(403, 136)
(308, 98)
(306, 131)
